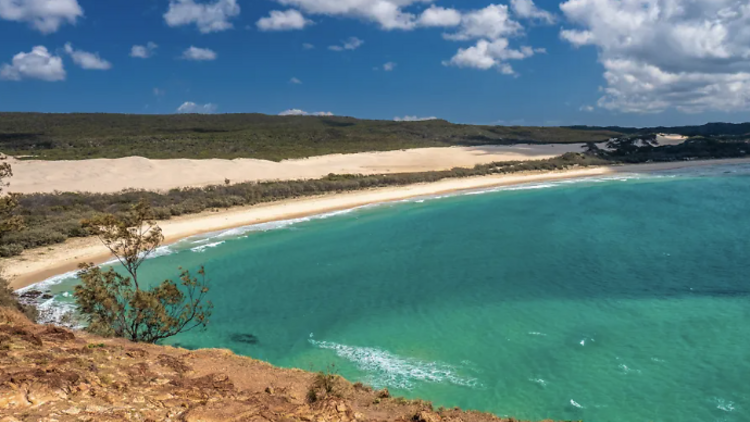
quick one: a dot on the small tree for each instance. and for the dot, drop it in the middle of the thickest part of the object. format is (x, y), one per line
(116, 305)
(8, 203)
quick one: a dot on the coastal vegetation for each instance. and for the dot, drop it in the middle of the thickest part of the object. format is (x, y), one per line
(53, 218)
(114, 305)
(83, 136)
(10, 222)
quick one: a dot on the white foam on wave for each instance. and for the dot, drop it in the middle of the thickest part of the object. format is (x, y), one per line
(539, 381)
(626, 369)
(537, 333)
(53, 311)
(723, 404)
(46, 284)
(202, 248)
(389, 370)
(575, 404)
(160, 251)
(239, 232)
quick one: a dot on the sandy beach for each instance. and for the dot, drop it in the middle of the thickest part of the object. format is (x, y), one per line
(105, 175)
(37, 265)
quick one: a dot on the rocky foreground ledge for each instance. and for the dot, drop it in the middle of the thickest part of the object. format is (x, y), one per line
(49, 373)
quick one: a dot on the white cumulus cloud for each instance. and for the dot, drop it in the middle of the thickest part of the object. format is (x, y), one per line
(389, 14)
(190, 107)
(46, 16)
(283, 21)
(298, 112)
(388, 67)
(86, 60)
(212, 16)
(487, 55)
(689, 55)
(439, 17)
(199, 54)
(295, 81)
(528, 10)
(352, 43)
(143, 51)
(37, 64)
(413, 119)
(492, 22)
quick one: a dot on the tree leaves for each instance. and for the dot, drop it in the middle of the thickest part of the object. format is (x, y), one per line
(117, 305)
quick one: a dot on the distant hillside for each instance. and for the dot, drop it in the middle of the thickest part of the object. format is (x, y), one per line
(81, 136)
(709, 129)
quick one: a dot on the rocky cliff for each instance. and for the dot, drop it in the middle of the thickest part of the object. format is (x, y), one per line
(49, 373)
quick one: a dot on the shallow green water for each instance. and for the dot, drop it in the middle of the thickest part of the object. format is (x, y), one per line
(605, 300)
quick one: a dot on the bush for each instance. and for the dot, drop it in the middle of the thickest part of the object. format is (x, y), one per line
(11, 249)
(8, 299)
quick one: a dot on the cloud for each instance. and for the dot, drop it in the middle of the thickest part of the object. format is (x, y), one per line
(190, 107)
(487, 55)
(298, 112)
(86, 60)
(438, 16)
(143, 51)
(295, 81)
(308, 46)
(413, 119)
(586, 108)
(577, 38)
(38, 64)
(283, 21)
(158, 92)
(208, 17)
(46, 16)
(389, 14)
(527, 9)
(352, 43)
(492, 22)
(198, 54)
(388, 67)
(667, 54)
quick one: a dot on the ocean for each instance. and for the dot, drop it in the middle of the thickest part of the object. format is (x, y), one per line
(622, 298)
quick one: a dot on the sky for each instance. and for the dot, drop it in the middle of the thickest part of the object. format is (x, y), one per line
(515, 62)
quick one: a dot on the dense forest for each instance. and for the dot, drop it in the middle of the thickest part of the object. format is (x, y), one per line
(82, 136)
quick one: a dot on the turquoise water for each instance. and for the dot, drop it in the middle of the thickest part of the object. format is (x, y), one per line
(621, 299)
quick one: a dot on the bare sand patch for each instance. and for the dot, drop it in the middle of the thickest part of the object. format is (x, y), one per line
(114, 175)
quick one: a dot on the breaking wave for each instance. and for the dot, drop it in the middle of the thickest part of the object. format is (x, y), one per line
(386, 369)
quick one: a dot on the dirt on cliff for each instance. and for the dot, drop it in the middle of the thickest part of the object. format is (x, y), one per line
(48, 373)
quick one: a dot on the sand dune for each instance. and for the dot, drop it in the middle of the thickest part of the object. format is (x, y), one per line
(105, 175)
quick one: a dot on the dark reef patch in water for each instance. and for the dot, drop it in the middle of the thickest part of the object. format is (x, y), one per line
(244, 338)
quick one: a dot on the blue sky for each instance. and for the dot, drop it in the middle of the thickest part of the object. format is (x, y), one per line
(598, 62)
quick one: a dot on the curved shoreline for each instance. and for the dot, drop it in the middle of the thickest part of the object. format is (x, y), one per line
(34, 266)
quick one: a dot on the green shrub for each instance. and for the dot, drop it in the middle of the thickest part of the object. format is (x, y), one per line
(11, 249)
